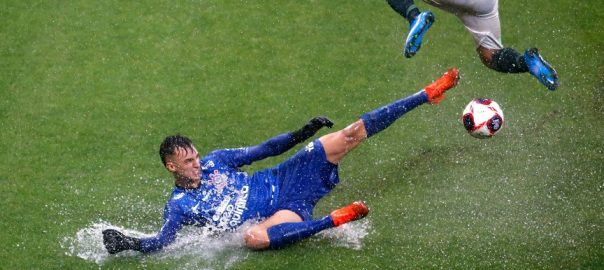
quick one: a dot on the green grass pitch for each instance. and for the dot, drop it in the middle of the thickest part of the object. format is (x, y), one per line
(90, 88)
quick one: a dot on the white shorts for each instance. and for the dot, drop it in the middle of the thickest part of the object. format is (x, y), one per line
(480, 17)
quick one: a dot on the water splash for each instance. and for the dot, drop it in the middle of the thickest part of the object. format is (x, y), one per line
(88, 243)
(196, 247)
(349, 235)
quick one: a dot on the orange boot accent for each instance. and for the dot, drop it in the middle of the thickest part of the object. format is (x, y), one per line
(351, 212)
(436, 90)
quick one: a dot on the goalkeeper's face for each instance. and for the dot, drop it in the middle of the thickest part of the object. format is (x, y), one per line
(184, 164)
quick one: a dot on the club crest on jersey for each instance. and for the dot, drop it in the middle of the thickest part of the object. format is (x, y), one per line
(219, 180)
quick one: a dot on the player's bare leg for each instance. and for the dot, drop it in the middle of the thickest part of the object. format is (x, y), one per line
(339, 143)
(486, 55)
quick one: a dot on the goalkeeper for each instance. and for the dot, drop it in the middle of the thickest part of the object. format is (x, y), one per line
(213, 191)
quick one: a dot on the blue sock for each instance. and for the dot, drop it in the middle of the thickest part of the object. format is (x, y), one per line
(284, 234)
(381, 118)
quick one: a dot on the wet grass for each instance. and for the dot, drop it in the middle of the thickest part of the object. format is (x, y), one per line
(89, 89)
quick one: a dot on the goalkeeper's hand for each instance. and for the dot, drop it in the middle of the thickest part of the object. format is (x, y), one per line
(115, 241)
(311, 128)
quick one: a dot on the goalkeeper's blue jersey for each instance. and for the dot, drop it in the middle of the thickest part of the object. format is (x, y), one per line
(227, 196)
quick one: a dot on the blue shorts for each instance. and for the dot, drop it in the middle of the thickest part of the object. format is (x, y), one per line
(304, 179)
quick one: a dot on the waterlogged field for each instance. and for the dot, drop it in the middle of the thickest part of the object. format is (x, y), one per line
(196, 248)
(89, 89)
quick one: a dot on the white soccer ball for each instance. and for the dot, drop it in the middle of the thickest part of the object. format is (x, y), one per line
(482, 118)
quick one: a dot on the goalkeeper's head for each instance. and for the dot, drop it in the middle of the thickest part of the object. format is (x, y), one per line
(179, 156)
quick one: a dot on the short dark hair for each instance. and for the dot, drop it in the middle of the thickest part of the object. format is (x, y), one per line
(171, 143)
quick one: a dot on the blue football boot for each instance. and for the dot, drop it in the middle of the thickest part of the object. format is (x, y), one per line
(417, 29)
(542, 70)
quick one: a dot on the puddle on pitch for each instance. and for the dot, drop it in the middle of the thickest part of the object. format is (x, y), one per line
(195, 247)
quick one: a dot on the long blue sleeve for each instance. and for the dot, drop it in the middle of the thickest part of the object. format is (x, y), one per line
(245, 156)
(172, 224)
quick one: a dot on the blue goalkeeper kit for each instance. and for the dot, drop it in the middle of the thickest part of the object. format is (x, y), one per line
(228, 196)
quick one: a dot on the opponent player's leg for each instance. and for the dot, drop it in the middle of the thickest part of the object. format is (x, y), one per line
(484, 24)
(286, 227)
(405, 8)
(419, 23)
(340, 143)
(508, 60)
